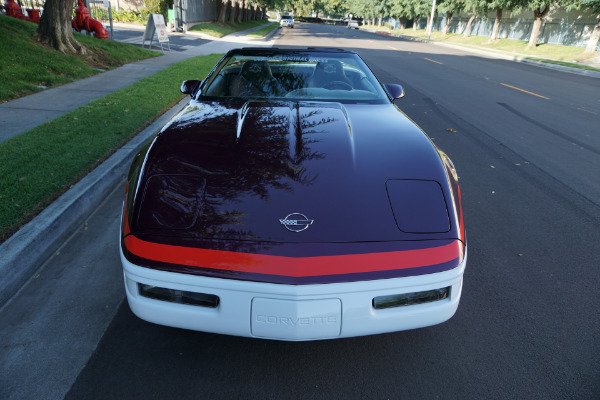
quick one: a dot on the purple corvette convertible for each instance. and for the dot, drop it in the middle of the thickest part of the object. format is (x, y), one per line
(292, 200)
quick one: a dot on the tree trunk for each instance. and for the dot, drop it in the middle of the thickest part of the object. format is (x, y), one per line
(55, 27)
(380, 20)
(415, 20)
(234, 10)
(594, 39)
(402, 23)
(240, 14)
(469, 24)
(496, 29)
(448, 18)
(537, 25)
(223, 11)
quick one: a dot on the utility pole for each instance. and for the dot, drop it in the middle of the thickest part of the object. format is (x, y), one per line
(430, 27)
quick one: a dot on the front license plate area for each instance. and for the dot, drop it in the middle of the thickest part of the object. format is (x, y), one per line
(296, 319)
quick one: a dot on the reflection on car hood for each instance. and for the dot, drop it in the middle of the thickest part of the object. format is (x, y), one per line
(237, 170)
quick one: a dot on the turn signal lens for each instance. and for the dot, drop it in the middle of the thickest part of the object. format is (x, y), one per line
(410, 299)
(178, 296)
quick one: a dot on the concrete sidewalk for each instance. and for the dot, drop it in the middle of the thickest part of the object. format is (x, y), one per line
(26, 251)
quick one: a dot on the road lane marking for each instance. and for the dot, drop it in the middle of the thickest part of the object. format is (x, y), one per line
(392, 47)
(437, 62)
(523, 90)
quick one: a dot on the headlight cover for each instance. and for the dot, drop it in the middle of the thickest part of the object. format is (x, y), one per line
(419, 206)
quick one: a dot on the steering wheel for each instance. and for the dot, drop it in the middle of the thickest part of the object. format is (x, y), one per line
(338, 85)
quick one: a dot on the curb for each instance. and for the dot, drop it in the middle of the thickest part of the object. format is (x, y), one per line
(269, 35)
(28, 249)
(577, 71)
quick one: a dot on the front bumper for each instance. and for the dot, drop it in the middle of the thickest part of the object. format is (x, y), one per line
(292, 312)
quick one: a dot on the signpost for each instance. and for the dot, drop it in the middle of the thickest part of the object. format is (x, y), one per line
(156, 24)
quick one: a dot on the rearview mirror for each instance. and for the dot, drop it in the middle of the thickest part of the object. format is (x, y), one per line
(394, 90)
(189, 87)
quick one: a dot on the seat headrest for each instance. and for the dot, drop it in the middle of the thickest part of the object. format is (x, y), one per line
(330, 67)
(256, 70)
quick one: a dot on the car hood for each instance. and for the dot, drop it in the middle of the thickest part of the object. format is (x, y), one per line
(248, 170)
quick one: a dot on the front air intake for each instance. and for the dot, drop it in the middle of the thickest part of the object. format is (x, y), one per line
(410, 299)
(178, 296)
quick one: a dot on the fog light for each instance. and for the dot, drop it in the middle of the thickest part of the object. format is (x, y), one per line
(178, 296)
(410, 299)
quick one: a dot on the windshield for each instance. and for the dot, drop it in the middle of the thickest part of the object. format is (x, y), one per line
(341, 77)
(286, 17)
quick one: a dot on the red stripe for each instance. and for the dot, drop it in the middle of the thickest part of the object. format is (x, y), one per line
(293, 266)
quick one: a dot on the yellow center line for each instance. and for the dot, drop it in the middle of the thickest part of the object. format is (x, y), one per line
(392, 47)
(437, 62)
(522, 90)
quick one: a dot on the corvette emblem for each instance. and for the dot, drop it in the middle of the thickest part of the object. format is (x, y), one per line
(296, 222)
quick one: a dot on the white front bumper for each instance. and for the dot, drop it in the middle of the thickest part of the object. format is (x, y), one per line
(292, 312)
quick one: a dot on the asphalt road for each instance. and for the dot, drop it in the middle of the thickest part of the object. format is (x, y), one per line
(527, 326)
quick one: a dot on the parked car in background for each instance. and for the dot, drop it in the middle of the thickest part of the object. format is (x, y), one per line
(352, 24)
(286, 20)
(291, 199)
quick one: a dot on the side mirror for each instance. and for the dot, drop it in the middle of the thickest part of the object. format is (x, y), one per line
(189, 87)
(394, 90)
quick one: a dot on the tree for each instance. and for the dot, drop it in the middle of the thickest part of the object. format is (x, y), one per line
(479, 8)
(409, 9)
(449, 7)
(540, 10)
(400, 9)
(55, 27)
(334, 7)
(382, 9)
(240, 14)
(419, 7)
(593, 5)
(364, 8)
(235, 6)
(499, 6)
(223, 11)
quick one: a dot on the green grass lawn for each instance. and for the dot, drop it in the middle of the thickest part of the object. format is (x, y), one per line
(27, 67)
(566, 55)
(39, 165)
(220, 30)
(264, 31)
